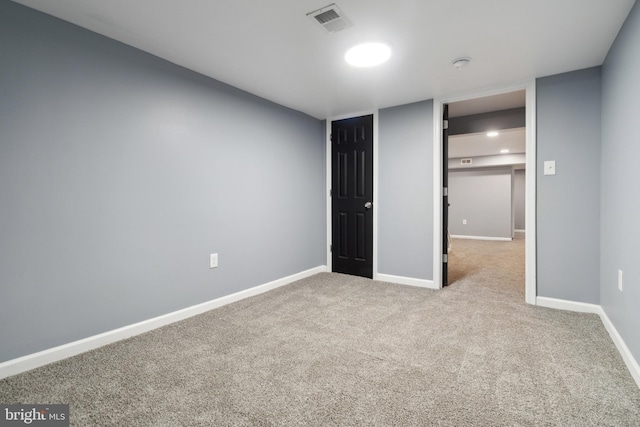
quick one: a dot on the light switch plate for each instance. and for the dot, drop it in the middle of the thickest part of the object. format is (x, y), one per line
(213, 260)
(550, 167)
(620, 280)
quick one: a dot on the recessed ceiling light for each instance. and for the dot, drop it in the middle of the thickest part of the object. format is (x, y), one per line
(368, 54)
(493, 134)
(504, 151)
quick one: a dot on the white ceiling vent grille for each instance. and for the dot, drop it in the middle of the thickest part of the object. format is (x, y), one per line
(466, 161)
(330, 18)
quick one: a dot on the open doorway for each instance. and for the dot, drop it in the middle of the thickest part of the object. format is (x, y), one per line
(486, 160)
(485, 187)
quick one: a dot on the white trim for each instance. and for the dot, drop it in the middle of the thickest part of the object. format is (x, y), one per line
(410, 281)
(328, 122)
(376, 199)
(561, 304)
(31, 361)
(518, 231)
(500, 239)
(437, 193)
(627, 356)
(530, 181)
(513, 205)
(629, 360)
(328, 192)
(531, 203)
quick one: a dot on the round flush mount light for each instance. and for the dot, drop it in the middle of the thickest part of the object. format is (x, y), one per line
(368, 54)
(461, 63)
(504, 151)
(493, 133)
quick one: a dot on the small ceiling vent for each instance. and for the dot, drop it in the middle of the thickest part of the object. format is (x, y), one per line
(330, 18)
(466, 161)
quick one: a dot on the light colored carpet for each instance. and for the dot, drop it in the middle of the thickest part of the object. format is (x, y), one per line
(336, 350)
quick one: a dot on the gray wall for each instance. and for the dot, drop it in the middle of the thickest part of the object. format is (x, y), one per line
(519, 199)
(483, 198)
(568, 203)
(620, 228)
(120, 173)
(405, 191)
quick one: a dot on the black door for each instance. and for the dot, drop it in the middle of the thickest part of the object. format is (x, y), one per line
(352, 196)
(445, 195)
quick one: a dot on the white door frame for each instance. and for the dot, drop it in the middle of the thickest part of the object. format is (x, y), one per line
(329, 120)
(530, 182)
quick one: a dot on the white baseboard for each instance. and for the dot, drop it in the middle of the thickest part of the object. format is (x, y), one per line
(561, 304)
(519, 231)
(31, 361)
(501, 239)
(410, 281)
(629, 360)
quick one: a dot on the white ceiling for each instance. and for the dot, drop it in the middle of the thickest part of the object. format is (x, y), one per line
(479, 144)
(271, 49)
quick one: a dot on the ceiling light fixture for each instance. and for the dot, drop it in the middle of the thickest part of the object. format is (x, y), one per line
(504, 151)
(493, 133)
(368, 54)
(461, 63)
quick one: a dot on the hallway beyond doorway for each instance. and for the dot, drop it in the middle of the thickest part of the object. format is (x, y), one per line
(496, 266)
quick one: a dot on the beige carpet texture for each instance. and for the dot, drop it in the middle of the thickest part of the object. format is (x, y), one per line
(337, 350)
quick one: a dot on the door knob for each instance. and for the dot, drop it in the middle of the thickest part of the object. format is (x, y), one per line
(368, 205)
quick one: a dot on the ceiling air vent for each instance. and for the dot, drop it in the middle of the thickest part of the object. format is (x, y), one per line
(466, 161)
(330, 18)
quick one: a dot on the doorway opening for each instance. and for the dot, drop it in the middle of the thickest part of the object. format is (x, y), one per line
(483, 192)
(485, 166)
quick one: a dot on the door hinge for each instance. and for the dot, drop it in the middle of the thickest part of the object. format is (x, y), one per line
(445, 258)
(330, 192)
(445, 124)
(445, 191)
(330, 248)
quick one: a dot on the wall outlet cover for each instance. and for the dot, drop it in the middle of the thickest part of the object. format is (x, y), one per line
(550, 167)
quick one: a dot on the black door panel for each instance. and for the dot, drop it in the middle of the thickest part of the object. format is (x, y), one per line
(352, 196)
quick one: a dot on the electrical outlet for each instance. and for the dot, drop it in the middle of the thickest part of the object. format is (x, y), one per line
(620, 280)
(464, 222)
(550, 167)
(213, 260)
